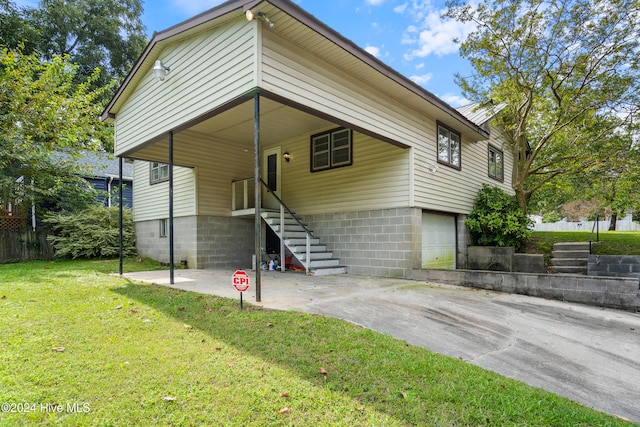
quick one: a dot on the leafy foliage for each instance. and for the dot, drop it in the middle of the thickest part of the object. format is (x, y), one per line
(46, 122)
(92, 233)
(565, 75)
(103, 34)
(497, 220)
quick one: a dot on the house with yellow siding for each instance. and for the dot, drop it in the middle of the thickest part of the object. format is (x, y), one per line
(259, 133)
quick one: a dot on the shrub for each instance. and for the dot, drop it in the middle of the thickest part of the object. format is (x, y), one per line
(497, 220)
(551, 216)
(91, 233)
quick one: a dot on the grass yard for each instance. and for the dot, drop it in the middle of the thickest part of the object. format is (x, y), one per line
(80, 347)
(611, 242)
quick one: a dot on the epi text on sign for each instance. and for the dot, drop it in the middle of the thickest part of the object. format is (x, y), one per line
(240, 280)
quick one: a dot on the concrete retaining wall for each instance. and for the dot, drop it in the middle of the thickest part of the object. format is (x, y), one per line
(614, 266)
(612, 292)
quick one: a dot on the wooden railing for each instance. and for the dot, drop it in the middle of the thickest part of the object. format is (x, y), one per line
(12, 219)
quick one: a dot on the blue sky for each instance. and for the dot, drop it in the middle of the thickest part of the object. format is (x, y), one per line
(408, 35)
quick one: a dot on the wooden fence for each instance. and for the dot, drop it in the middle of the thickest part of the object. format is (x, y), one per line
(23, 244)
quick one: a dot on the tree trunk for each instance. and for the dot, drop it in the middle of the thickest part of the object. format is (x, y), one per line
(612, 224)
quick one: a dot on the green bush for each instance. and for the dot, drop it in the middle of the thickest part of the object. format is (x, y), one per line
(497, 220)
(91, 233)
(551, 216)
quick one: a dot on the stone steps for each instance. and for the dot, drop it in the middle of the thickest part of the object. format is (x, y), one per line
(570, 257)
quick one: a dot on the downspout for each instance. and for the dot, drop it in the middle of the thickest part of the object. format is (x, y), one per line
(109, 190)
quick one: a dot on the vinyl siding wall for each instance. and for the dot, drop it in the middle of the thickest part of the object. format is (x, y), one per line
(452, 190)
(293, 73)
(377, 179)
(152, 200)
(154, 108)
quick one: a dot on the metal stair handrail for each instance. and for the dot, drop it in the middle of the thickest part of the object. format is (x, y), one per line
(289, 211)
(309, 233)
(596, 227)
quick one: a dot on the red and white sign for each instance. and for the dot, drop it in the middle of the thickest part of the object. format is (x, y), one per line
(240, 280)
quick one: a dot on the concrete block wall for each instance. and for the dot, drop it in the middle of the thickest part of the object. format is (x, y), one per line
(383, 243)
(612, 292)
(225, 242)
(151, 245)
(203, 241)
(614, 266)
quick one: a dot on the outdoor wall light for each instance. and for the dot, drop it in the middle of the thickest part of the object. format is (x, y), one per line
(287, 157)
(251, 15)
(160, 71)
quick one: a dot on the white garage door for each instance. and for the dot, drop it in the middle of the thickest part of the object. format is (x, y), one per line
(438, 241)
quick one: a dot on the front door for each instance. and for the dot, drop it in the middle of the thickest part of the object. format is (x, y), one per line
(271, 175)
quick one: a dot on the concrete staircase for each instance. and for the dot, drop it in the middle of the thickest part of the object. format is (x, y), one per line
(322, 262)
(570, 257)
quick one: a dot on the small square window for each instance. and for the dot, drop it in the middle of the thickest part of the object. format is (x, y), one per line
(164, 228)
(496, 163)
(448, 146)
(159, 172)
(331, 150)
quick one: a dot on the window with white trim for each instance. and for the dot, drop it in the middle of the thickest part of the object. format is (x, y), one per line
(448, 146)
(496, 163)
(164, 227)
(330, 150)
(159, 172)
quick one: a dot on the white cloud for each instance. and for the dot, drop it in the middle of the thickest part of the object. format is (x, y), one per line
(423, 79)
(401, 9)
(432, 34)
(420, 66)
(193, 7)
(375, 2)
(375, 51)
(455, 100)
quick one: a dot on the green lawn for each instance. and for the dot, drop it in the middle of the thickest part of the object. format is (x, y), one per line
(80, 347)
(610, 242)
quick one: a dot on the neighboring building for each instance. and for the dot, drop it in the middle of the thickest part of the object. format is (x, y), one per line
(382, 171)
(106, 178)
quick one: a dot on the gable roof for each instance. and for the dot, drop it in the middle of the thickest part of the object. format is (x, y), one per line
(294, 23)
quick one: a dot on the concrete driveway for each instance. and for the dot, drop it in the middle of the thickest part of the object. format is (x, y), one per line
(588, 354)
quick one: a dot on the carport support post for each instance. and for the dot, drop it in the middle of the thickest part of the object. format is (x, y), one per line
(171, 269)
(257, 190)
(120, 212)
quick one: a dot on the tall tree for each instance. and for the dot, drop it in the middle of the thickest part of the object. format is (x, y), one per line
(105, 34)
(566, 73)
(47, 121)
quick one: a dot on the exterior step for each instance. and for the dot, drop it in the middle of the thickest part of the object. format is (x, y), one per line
(570, 254)
(301, 242)
(570, 269)
(570, 262)
(303, 249)
(315, 256)
(323, 263)
(326, 271)
(571, 246)
(570, 257)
